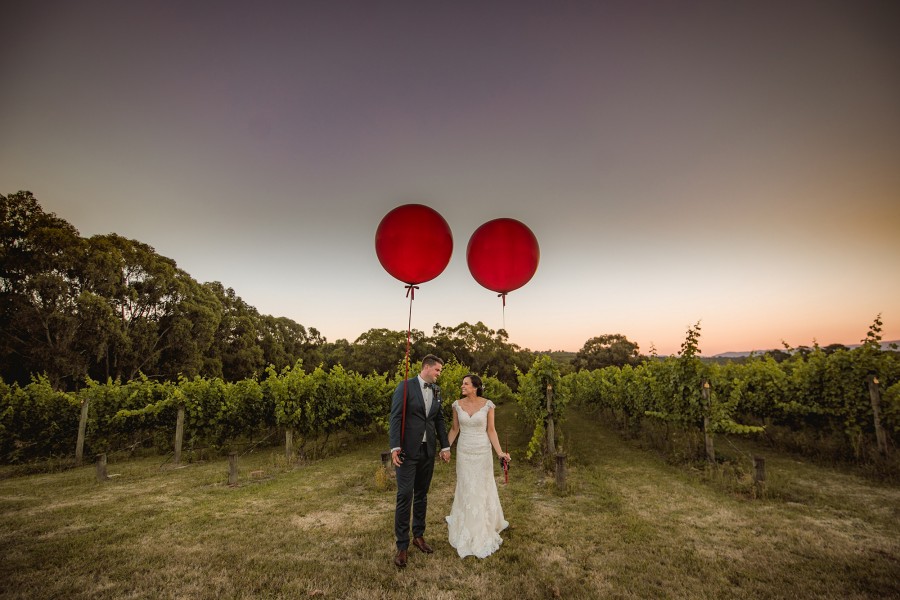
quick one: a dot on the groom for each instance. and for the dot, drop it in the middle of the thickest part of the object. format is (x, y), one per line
(413, 450)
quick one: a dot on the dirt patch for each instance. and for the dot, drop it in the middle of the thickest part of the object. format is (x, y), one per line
(337, 519)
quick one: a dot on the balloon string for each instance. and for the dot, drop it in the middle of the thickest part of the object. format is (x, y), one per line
(503, 296)
(411, 294)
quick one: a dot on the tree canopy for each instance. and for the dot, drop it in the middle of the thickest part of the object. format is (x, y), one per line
(607, 350)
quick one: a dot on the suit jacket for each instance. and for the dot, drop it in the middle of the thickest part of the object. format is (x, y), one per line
(418, 424)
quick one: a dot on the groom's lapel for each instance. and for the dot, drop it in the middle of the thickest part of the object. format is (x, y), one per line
(417, 392)
(436, 399)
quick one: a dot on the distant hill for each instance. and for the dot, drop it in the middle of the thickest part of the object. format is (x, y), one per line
(743, 353)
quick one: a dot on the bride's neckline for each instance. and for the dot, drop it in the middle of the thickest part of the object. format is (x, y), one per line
(473, 413)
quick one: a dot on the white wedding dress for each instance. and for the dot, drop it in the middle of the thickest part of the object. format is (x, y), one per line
(476, 519)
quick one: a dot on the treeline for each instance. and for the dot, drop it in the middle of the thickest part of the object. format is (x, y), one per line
(110, 308)
(838, 404)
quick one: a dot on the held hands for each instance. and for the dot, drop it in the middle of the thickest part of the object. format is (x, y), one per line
(397, 457)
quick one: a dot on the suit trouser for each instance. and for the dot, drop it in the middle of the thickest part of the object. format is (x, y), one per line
(413, 481)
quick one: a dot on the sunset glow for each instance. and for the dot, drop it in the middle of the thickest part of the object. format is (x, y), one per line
(736, 165)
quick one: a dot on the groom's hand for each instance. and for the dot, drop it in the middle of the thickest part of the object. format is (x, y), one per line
(445, 455)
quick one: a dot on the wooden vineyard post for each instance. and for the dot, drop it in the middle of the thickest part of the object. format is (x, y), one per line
(551, 433)
(707, 434)
(101, 468)
(179, 433)
(232, 469)
(759, 475)
(386, 462)
(561, 472)
(82, 426)
(875, 397)
(288, 444)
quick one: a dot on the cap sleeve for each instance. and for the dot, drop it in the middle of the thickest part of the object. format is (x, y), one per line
(490, 404)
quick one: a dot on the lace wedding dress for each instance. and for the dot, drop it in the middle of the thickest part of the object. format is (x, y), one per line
(476, 518)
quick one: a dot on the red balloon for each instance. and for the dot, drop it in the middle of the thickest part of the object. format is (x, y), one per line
(413, 243)
(503, 255)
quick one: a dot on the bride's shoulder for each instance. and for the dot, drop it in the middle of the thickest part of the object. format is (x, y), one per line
(455, 404)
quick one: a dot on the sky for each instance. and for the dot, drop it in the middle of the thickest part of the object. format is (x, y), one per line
(732, 164)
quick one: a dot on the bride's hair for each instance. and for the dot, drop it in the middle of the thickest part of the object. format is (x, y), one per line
(476, 381)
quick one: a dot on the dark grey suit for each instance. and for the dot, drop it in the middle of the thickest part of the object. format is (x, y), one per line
(414, 475)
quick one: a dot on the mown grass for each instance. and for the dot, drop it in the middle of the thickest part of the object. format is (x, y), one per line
(628, 526)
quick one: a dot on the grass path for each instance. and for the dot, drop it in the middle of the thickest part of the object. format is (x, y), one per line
(630, 526)
(838, 536)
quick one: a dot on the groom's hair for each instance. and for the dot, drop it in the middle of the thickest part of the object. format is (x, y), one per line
(431, 359)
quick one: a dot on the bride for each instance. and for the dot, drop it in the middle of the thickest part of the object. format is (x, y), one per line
(476, 518)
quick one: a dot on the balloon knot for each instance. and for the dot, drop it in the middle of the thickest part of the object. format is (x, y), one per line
(411, 291)
(503, 296)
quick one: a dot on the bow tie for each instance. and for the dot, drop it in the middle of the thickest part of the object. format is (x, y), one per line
(429, 386)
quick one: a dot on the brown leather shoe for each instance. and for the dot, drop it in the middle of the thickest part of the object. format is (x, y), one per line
(400, 559)
(422, 545)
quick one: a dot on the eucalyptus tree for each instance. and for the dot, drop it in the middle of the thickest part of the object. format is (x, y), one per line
(605, 351)
(380, 350)
(335, 353)
(235, 352)
(284, 342)
(162, 320)
(189, 326)
(245, 342)
(832, 348)
(485, 350)
(41, 256)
